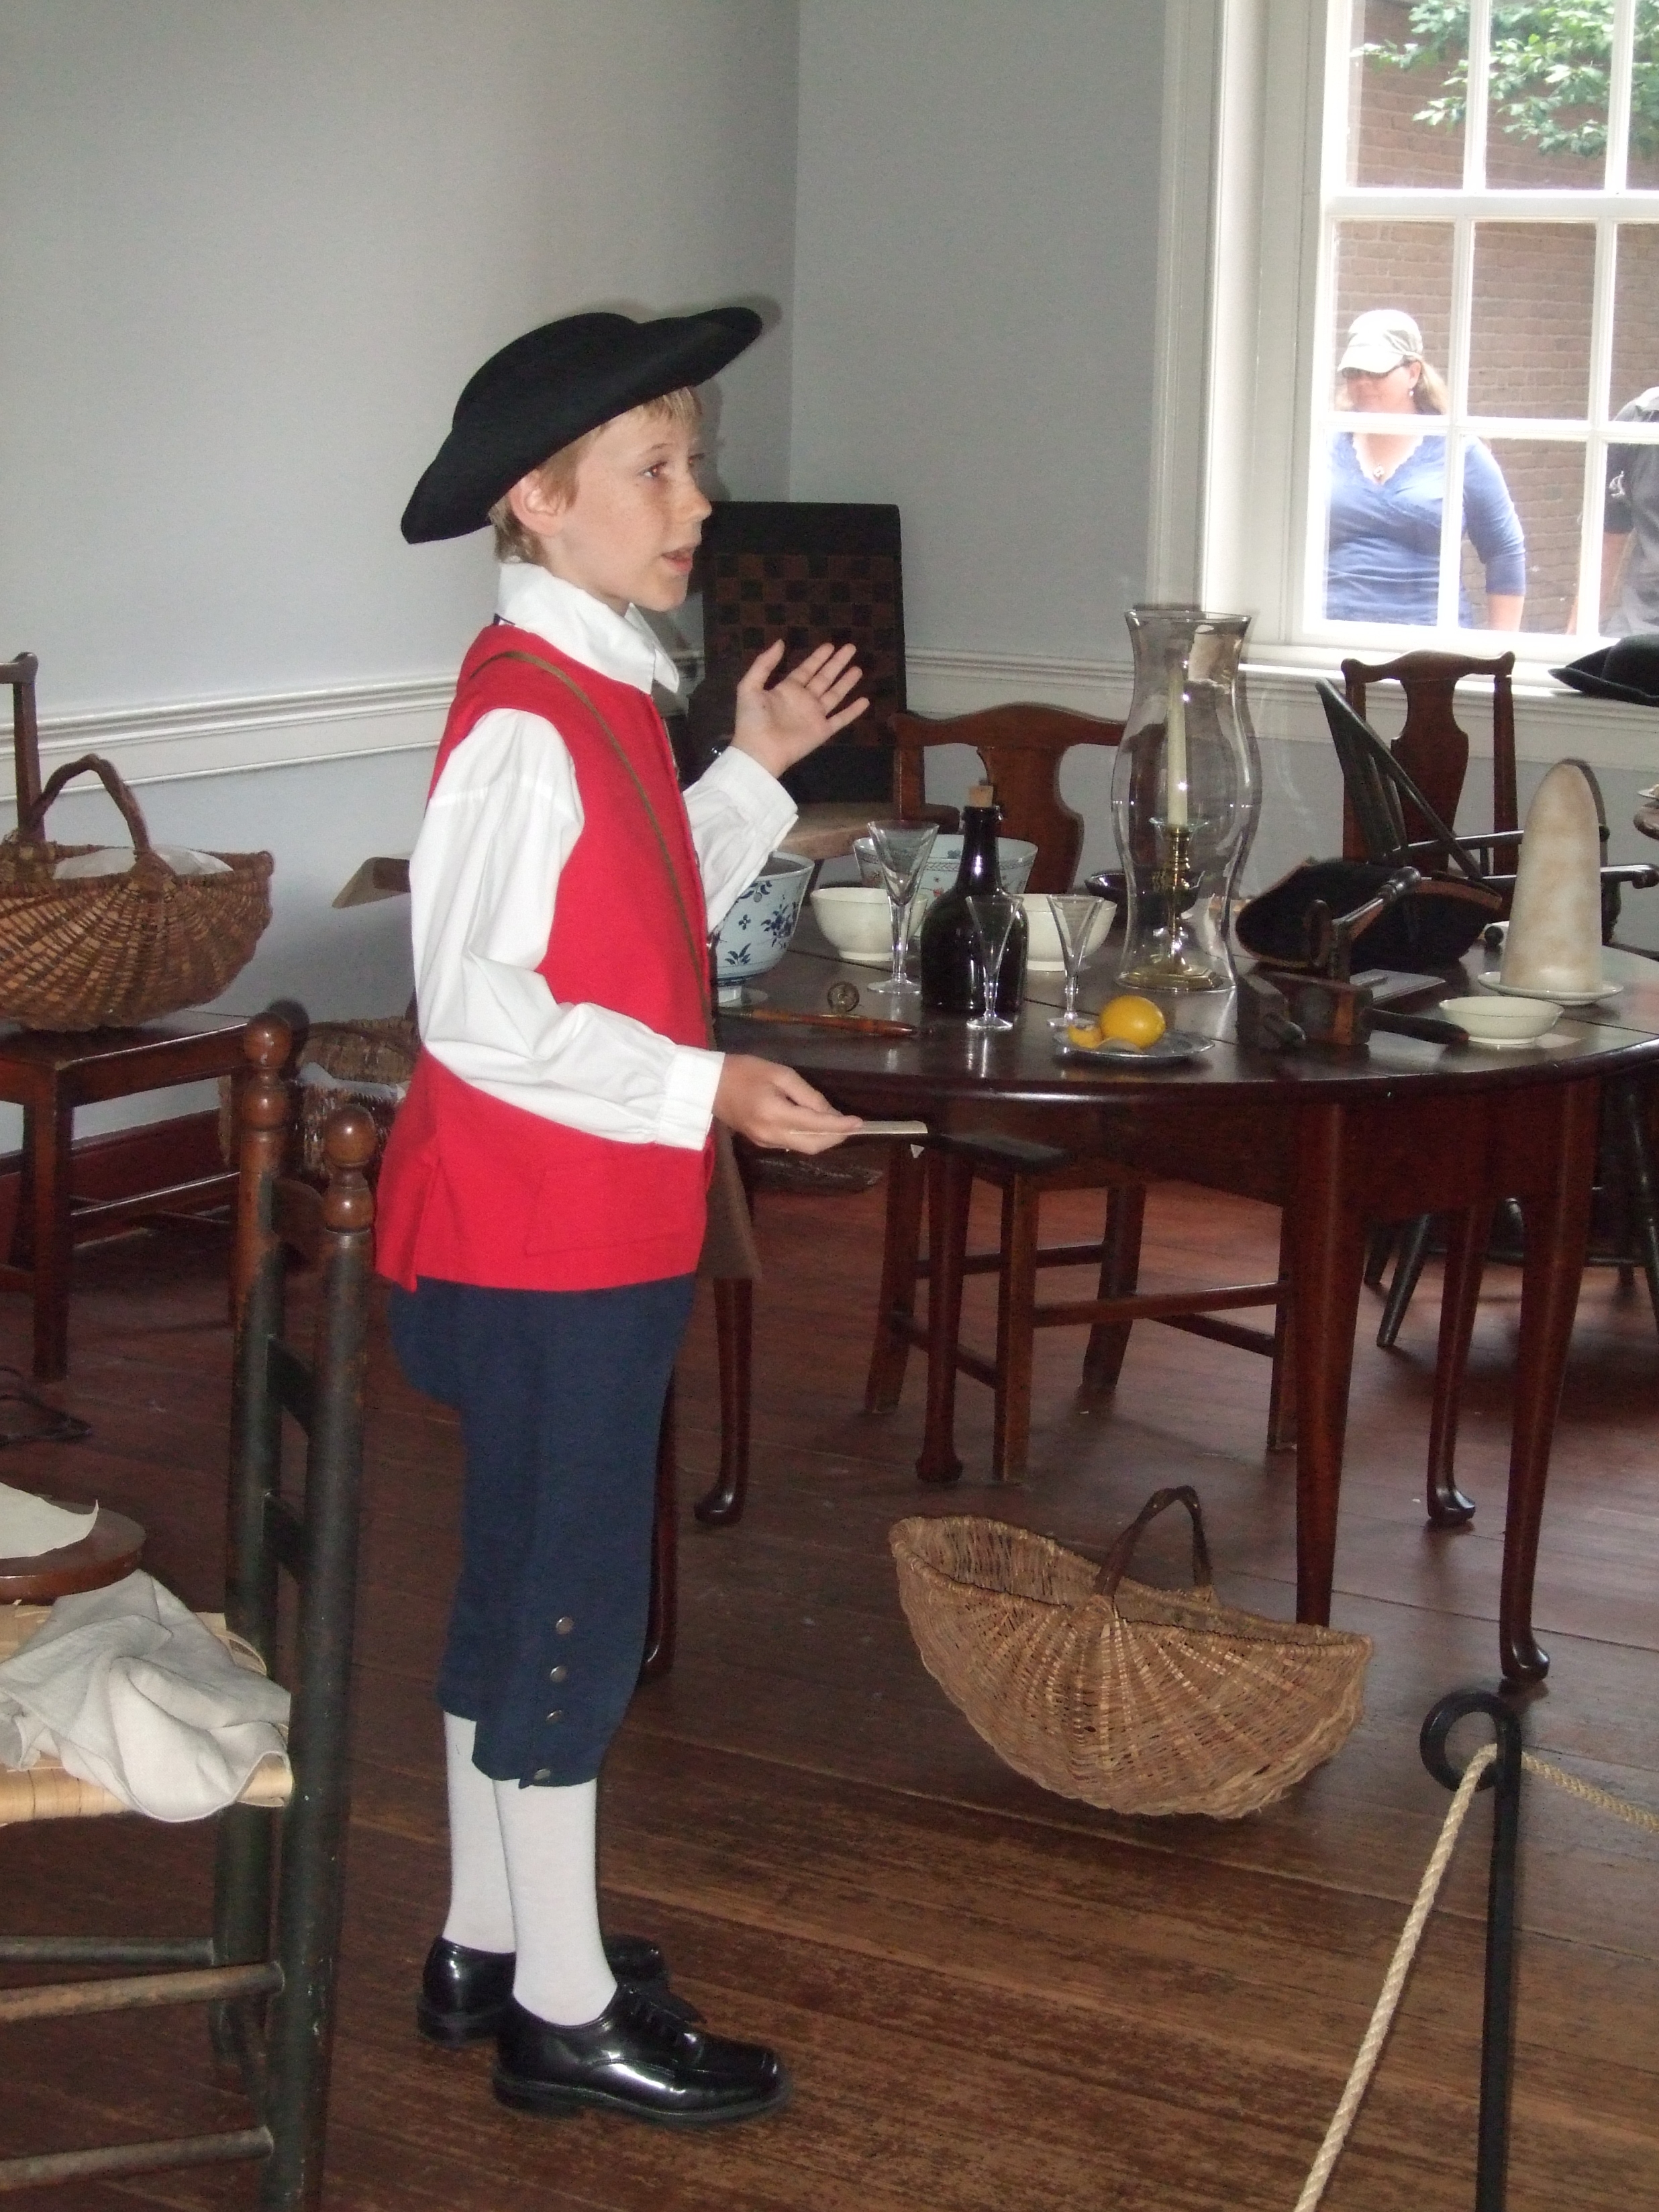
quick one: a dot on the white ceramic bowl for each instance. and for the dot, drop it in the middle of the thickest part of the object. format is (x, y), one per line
(755, 935)
(1502, 1021)
(1042, 952)
(856, 921)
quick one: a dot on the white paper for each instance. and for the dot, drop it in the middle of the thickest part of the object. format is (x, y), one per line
(31, 1525)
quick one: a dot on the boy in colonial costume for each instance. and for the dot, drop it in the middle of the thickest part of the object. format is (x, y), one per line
(541, 1199)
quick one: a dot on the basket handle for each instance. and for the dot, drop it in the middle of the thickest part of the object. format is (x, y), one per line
(1116, 1563)
(29, 825)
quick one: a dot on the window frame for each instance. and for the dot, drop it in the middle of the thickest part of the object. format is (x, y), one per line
(1265, 84)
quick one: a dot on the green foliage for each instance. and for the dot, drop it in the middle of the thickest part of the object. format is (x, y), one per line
(1548, 80)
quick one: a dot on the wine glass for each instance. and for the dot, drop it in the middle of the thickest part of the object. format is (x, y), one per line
(991, 918)
(902, 850)
(1075, 914)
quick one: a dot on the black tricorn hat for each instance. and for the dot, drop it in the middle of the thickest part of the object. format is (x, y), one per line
(550, 386)
(1627, 670)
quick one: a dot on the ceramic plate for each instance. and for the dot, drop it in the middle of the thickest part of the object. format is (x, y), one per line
(1173, 1045)
(1490, 981)
(1550, 1039)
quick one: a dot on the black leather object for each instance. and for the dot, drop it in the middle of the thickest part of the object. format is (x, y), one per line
(639, 2059)
(464, 1994)
(1429, 927)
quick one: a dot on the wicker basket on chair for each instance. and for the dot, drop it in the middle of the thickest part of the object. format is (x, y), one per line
(1135, 1700)
(112, 952)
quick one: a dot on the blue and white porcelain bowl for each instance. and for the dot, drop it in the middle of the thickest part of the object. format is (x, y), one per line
(755, 935)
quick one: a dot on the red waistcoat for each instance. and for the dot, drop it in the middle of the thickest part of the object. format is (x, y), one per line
(475, 1191)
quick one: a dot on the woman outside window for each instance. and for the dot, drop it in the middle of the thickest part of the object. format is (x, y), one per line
(1387, 489)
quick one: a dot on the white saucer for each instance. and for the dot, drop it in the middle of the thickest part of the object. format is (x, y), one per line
(1490, 981)
(866, 959)
(1549, 1039)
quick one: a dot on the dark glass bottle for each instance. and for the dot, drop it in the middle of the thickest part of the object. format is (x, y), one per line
(948, 985)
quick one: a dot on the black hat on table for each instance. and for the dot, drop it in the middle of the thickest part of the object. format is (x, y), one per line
(1627, 670)
(551, 386)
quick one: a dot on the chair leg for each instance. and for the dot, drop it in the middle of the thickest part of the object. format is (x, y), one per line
(1407, 1267)
(721, 1506)
(1120, 1272)
(1379, 1251)
(1281, 1395)
(43, 1230)
(241, 1919)
(1466, 1257)
(907, 1184)
(1625, 1102)
(662, 1621)
(1011, 1417)
(949, 1190)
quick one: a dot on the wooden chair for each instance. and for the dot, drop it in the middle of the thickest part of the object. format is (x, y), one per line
(50, 1072)
(1432, 746)
(812, 573)
(1022, 748)
(266, 1971)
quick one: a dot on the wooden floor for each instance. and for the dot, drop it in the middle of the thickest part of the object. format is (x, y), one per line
(993, 1999)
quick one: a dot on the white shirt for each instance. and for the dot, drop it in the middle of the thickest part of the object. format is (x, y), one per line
(483, 879)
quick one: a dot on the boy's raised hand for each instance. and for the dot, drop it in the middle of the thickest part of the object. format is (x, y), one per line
(774, 1106)
(779, 724)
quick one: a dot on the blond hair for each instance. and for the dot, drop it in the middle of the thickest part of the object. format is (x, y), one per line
(557, 474)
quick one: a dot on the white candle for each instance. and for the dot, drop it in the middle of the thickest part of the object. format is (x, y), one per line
(1174, 804)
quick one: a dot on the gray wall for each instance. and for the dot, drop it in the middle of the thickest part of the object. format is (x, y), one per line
(252, 249)
(976, 270)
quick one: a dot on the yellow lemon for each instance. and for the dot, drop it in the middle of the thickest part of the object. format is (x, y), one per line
(1086, 1034)
(1131, 1020)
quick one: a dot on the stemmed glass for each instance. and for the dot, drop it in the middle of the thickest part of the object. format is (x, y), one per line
(991, 918)
(1074, 913)
(902, 850)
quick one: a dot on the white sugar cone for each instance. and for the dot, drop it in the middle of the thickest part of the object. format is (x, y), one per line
(1553, 942)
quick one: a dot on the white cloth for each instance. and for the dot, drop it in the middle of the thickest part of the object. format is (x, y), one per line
(483, 879)
(30, 1525)
(131, 1692)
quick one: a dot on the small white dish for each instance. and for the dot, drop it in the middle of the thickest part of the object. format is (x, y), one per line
(1493, 980)
(857, 922)
(1507, 1021)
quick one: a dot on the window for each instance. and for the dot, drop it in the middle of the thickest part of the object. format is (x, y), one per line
(1489, 176)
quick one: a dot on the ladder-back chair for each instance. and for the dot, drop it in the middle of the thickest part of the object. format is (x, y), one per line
(267, 1969)
(1022, 747)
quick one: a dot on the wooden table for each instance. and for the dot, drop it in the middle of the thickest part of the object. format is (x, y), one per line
(49, 1074)
(1341, 1141)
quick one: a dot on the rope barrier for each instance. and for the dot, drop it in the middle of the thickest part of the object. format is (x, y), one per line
(1393, 1981)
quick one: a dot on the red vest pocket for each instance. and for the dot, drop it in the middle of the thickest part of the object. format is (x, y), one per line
(619, 1194)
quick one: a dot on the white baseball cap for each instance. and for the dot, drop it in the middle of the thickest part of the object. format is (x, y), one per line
(1379, 340)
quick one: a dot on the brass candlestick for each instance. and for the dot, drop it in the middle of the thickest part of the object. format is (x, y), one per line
(1169, 955)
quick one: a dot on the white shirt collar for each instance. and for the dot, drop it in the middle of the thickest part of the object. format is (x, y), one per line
(625, 647)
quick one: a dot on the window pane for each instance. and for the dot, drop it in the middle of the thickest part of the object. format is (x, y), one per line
(1406, 121)
(1546, 99)
(1635, 314)
(1644, 170)
(1395, 264)
(1383, 545)
(1529, 340)
(1545, 484)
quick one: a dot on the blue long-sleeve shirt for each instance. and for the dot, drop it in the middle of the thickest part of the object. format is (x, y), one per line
(1383, 562)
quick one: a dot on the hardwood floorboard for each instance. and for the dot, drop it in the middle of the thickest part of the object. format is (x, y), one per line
(992, 1999)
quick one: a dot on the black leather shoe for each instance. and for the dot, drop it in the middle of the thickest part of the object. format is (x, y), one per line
(464, 1993)
(639, 2058)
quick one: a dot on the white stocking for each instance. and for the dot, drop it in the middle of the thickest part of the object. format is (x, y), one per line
(480, 1905)
(552, 1873)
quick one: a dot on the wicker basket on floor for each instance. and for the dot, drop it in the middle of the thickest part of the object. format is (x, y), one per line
(1135, 1700)
(112, 952)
